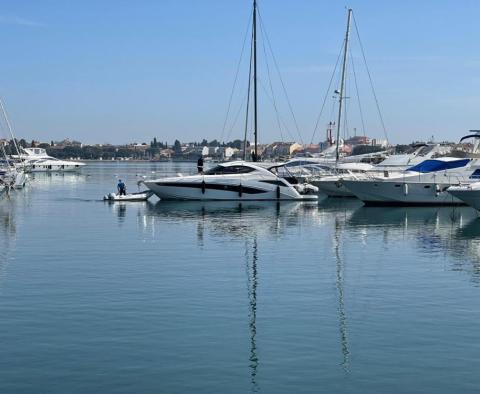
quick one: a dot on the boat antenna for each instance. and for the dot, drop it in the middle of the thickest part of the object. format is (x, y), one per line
(342, 86)
(255, 115)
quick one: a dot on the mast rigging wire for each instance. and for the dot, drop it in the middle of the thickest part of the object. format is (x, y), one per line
(270, 84)
(370, 77)
(278, 113)
(236, 116)
(279, 75)
(358, 94)
(236, 78)
(327, 93)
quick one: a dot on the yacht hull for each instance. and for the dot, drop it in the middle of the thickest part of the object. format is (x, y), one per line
(399, 193)
(469, 196)
(332, 188)
(200, 190)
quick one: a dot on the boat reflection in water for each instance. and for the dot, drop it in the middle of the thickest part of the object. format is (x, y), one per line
(121, 208)
(464, 247)
(443, 230)
(233, 218)
(8, 235)
(48, 179)
(452, 232)
(245, 221)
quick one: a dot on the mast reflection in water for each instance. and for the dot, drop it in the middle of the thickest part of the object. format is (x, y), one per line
(341, 296)
(252, 282)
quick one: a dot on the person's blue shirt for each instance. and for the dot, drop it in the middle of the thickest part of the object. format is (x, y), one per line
(121, 185)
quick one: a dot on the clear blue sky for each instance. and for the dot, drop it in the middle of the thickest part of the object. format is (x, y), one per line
(117, 71)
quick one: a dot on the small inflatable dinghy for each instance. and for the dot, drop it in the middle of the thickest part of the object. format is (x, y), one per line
(140, 196)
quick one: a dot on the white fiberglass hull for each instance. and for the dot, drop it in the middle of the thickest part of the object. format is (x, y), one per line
(468, 194)
(234, 189)
(402, 193)
(140, 196)
(332, 187)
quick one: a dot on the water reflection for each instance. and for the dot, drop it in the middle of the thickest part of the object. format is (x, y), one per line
(428, 230)
(252, 283)
(121, 207)
(8, 234)
(464, 247)
(239, 220)
(230, 217)
(441, 230)
(57, 178)
(340, 271)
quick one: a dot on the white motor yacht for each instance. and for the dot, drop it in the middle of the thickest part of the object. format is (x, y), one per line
(468, 193)
(239, 180)
(37, 160)
(423, 184)
(332, 185)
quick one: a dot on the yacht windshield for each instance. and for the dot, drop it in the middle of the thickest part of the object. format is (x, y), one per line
(425, 150)
(226, 170)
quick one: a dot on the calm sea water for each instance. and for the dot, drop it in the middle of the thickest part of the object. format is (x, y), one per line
(221, 297)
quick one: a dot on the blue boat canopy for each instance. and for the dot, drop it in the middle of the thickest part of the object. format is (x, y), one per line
(433, 165)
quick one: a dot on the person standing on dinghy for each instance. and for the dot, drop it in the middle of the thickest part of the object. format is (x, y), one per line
(200, 165)
(122, 189)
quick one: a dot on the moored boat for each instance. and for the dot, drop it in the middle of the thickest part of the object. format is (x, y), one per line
(139, 196)
(37, 160)
(423, 184)
(238, 180)
(468, 193)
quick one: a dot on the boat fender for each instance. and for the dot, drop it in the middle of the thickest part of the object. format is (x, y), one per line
(203, 187)
(437, 190)
(405, 189)
(278, 192)
(240, 190)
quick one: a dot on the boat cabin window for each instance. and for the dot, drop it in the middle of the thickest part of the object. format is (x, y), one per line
(221, 170)
(425, 150)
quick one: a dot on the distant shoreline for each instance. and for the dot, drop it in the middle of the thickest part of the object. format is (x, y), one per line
(135, 161)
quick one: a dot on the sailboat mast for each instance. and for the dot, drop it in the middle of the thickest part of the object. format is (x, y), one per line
(255, 76)
(342, 86)
(4, 112)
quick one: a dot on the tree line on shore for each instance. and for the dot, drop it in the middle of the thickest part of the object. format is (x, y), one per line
(143, 151)
(108, 152)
